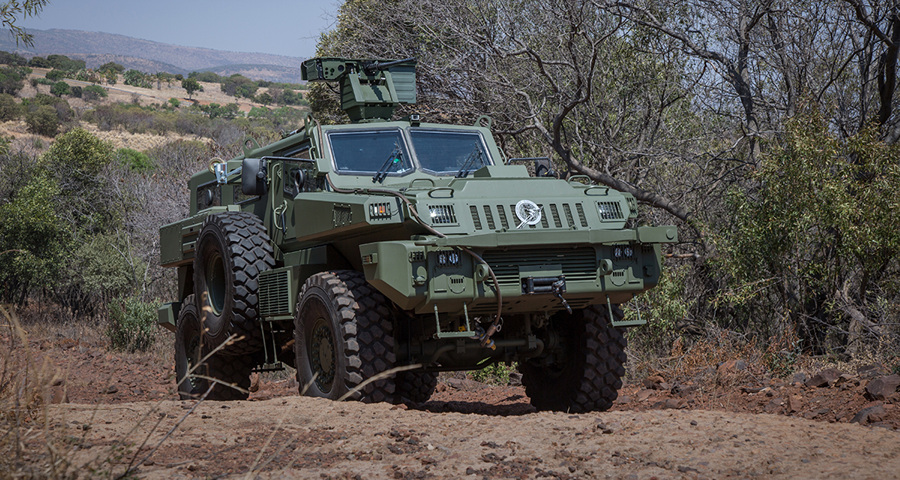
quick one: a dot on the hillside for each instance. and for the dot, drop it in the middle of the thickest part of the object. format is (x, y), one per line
(98, 48)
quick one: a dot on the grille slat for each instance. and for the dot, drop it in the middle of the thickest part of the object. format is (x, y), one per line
(610, 210)
(569, 219)
(442, 214)
(274, 294)
(476, 219)
(489, 216)
(577, 264)
(504, 222)
(555, 211)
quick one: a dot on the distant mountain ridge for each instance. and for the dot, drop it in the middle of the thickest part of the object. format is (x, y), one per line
(97, 48)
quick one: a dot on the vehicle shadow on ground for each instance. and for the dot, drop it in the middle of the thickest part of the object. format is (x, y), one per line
(513, 405)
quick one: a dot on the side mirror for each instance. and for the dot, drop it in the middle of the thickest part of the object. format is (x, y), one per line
(253, 177)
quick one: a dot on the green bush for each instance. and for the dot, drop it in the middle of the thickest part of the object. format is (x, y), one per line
(55, 75)
(60, 88)
(132, 324)
(9, 108)
(43, 120)
(494, 374)
(94, 92)
(135, 160)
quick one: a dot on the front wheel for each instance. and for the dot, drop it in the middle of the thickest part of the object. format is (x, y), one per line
(193, 373)
(343, 336)
(585, 373)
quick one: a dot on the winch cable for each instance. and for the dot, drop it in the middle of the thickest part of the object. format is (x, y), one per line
(496, 324)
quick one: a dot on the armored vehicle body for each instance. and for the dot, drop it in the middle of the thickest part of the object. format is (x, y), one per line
(372, 255)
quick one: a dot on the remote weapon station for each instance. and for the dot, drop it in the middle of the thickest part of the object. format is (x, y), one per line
(371, 256)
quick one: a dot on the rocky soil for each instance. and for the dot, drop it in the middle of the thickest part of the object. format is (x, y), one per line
(119, 410)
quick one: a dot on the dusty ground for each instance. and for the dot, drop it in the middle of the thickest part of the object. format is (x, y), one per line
(122, 411)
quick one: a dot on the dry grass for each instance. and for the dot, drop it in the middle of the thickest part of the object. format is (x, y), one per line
(29, 447)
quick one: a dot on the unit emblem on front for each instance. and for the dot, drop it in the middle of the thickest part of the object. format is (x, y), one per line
(529, 213)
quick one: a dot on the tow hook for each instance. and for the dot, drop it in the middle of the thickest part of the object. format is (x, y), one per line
(552, 285)
(559, 288)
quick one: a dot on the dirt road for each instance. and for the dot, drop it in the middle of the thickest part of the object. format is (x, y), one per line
(312, 438)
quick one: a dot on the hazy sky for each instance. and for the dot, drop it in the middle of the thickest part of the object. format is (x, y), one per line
(283, 27)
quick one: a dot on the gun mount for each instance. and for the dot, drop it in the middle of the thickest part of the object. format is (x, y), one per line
(370, 89)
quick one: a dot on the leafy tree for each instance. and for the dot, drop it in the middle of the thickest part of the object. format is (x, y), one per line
(264, 98)
(209, 77)
(818, 236)
(60, 88)
(192, 86)
(77, 91)
(239, 86)
(43, 120)
(111, 67)
(134, 160)
(94, 92)
(11, 11)
(137, 79)
(14, 59)
(32, 238)
(39, 62)
(12, 79)
(55, 75)
(64, 63)
(9, 108)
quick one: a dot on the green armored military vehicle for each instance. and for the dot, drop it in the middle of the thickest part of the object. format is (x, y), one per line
(373, 255)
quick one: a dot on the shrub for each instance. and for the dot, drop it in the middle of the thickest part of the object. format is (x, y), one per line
(9, 108)
(60, 88)
(12, 79)
(77, 91)
(174, 102)
(494, 374)
(135, 160)
(132, 324)
(43, 121)
(55, 75)
(94, 92)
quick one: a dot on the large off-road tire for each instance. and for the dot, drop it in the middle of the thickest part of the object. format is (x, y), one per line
(232, 250)
(589, 366)
(343, 335)
(416, 387)
(189, 373)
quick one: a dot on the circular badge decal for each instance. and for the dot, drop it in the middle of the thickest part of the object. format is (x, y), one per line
(528, 212)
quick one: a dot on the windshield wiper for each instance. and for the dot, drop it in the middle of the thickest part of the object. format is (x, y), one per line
(476, 154)
(394, 158)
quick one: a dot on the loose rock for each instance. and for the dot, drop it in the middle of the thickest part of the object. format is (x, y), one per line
(824, 378)
(883, 387)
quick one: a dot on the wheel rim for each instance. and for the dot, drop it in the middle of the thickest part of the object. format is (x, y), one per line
(321, 354)
(215, 283)
(193, 357)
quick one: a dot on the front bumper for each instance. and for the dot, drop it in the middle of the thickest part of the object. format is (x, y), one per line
(598, 266)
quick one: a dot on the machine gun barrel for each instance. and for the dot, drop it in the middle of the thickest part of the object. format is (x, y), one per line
(375, 67)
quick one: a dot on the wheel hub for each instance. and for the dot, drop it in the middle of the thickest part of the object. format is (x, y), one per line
(321, 355)
(215, 283)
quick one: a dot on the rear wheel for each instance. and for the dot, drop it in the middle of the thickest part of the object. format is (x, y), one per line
(232, 250)
(416, 387)
(585, 373)
(343, 337)
(192, 375)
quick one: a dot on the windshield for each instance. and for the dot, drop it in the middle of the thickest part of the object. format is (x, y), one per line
(370, 151)
(449, 152)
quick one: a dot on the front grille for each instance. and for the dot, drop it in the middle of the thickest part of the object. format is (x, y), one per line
(577, 264)
(274, 293)
(610, 210)
(442, 215)
(499, 217)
